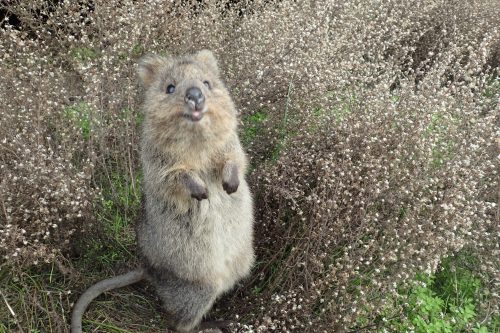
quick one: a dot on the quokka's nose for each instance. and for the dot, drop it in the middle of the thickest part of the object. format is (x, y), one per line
(194, 98)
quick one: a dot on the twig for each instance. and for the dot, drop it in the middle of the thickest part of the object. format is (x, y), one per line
(488, 313)
(12, 312)
(290, 85)
(3, 208)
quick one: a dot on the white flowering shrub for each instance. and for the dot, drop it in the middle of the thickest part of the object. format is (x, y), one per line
(372, 130)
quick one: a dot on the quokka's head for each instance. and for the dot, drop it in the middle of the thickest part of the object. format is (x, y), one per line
(185, 95)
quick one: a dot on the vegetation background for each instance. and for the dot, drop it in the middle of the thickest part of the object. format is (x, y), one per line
(372, 129)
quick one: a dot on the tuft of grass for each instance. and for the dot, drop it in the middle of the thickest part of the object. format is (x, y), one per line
(282, 128)
(120, 202)
(80, 115)
(34, 299)
(116, 208)
(253, 126)
(444, 302)
(338, 113)
(137, 50)
(492, 88)
(443, 149)
(84, 54)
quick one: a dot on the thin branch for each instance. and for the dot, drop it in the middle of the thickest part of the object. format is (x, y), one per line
(11, 312)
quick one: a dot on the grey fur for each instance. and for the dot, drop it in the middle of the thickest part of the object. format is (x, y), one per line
(196, 237)
(195, 233)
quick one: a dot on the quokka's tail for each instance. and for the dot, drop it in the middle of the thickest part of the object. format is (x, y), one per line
(97, 289)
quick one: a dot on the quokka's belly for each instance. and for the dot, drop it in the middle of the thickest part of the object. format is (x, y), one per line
(211, 244)
(231, 246)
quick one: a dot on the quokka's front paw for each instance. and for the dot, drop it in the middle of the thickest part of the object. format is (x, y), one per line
(231, 186)
(196, 188)
(230, 180)
(199, 193)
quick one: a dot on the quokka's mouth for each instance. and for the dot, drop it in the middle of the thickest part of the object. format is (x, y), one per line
(195, 115)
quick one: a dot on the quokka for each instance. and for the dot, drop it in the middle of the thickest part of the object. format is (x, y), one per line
(195, 231)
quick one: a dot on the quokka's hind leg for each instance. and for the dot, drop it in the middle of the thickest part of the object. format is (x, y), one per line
(185, 302)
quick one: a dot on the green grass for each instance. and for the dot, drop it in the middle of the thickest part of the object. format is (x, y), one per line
(492, 88)
(252, 131)
(437, 130)
(80, 115)
(136, 51)
(445, 302)
(116, 209)
(253, 125)
(346, 104)
(38, 299)
(84, 54)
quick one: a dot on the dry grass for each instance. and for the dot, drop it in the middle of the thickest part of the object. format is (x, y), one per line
(372, 129)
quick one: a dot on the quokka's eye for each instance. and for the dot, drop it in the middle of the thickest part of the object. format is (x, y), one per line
(207, 84)
(170, 89)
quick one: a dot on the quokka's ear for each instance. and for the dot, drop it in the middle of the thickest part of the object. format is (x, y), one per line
(207, 58)
(149, 66)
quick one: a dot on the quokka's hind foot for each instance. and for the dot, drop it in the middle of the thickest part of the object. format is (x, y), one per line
(214, 326)
(211, 330)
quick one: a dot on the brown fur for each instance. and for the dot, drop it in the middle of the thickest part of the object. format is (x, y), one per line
(197, 233)
(196, 230)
